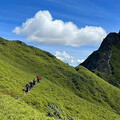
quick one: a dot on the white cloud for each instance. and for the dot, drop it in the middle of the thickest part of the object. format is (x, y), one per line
(63, 56)
(43, 29)
(80, 61)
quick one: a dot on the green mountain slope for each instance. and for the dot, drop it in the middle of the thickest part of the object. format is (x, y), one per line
(105, 61)
(63, 92)
(11, 109)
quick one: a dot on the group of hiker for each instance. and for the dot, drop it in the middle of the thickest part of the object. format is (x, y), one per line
(32, 83)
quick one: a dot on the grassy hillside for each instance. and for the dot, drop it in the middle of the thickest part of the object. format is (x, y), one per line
(11, 109)
(63, 93)
(115, 63)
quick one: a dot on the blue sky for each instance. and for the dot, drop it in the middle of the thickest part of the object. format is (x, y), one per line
(96, 13)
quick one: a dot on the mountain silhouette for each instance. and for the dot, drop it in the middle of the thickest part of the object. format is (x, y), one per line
(105, 62)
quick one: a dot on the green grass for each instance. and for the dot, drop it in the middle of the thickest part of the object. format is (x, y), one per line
(101, 91)
(47, 93)
(12, 109)
(63, 93)
(115, 63)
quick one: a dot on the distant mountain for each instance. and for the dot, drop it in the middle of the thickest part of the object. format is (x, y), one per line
(62, 94)
(105, 62)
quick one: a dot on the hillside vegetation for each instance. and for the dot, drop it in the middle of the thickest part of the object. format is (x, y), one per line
(63, 93)
(11, 109)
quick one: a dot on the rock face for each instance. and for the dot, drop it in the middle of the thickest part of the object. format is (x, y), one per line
(100, 60)
(111, 39)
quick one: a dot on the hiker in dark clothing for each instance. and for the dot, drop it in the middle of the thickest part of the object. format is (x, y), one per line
(31, 84)
(27, 87)
(38, 79)
(34, 82)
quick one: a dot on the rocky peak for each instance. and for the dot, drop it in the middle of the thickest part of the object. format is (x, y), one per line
(119, 32)
(111, 39)
(100, 59)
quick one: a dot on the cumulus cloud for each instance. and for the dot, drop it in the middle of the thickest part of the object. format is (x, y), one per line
(80, 61)
(65, 57)
(43, 29)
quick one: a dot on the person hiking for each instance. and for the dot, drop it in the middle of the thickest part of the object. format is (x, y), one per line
(38, 79)
(34, 82)
(31, 84)
(27, 87)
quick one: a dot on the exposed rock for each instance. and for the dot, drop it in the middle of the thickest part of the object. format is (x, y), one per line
(111, 39)
(100, 60)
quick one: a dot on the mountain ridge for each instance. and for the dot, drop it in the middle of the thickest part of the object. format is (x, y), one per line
(104, 61)
(63, 92)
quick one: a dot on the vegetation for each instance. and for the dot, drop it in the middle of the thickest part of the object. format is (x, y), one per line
(11, 109)
(63, 93)
(115, 63)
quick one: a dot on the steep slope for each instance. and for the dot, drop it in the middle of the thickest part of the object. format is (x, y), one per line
(105, 61)
(63, 93)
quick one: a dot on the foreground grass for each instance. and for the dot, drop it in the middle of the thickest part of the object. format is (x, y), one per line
(50, 98)
(11, 109)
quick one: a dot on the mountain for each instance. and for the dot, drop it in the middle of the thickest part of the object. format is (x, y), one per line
(105, 61)
(64, 93)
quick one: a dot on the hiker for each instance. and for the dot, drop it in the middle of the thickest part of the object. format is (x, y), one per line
(34, 82)
(31, 84)
(27, 87)
(38, 79)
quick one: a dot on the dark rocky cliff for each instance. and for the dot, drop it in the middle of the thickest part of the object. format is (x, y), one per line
(100, 60)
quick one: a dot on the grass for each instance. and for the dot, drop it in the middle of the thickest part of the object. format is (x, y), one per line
(12, 109)
(63, 93)
(46, 93)
(115, 63)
